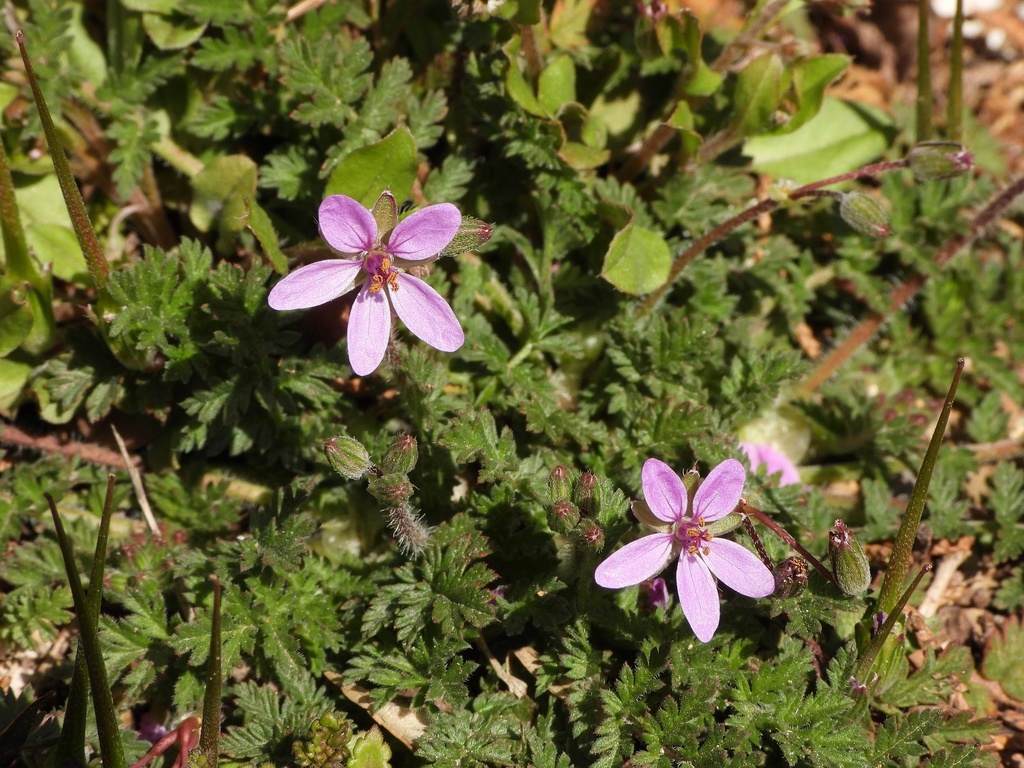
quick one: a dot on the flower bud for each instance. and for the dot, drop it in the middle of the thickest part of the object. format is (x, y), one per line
(790, 577)
(849, 563)
(563, 517)
(471, 235)
(347, 457)
(390, 490)
(933, 160)
(401, 456)
(591, 535)
(385, 212)
(588, 493)
(654, 594)
(723, 525)
(864, 214)
(559, 485)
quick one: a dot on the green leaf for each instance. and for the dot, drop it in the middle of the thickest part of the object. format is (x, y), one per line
(557, 83)
(637, 261)
(220, 194)
(515, 82)
(387, 164)
(811, 77)
(1002, 658)
(260, 225)
(701, 80)
(15, 315)
(758, 92)
(172, 32)
(14, 375)
(843, 136)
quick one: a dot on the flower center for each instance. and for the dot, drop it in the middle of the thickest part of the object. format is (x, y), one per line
(693, 536)
(378, 265)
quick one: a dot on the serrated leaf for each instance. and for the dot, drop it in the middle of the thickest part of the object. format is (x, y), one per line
(1002, 658)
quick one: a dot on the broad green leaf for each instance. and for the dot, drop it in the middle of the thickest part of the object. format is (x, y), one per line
(701, 80)
(13, 378)
(172, 32)
(388, 164)
(220, 192)
(15, 315)
(637, 261)
(56, 245)
(557, 83)
(518, 88)
(48, 230)
(581, 157)
(758, 92)
(843, 136)
(258, 221)
(84, 54)
(810, 79)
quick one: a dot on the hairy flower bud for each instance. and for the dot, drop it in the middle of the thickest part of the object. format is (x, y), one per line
(591, 535)
(790, 577)
(559, 484)
(563, 517)
(471, 235)
(401, 457)
(933, 160)
(588, 493)
(864, 214)
(849, 563)
(347, 457)
(390, 490)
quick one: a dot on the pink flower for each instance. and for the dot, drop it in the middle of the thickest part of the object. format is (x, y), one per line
(680, 526)
(773, 461)
(375, 261)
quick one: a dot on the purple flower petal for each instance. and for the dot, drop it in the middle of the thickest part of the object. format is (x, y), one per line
(427, 314)
(637, 561)
(739, 568)
(314, 284)
(425, 233)
(773, 461)
(698, 596)
(369, 331)
(664, 492)
(346, 225)
(720, 492)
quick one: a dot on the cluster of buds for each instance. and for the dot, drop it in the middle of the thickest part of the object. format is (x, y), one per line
(575, 502)
(326, 745)
(388, 483)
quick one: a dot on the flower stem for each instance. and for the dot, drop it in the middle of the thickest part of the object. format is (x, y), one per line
(778, 530)
(764, 206)
(905, 291)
